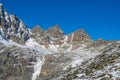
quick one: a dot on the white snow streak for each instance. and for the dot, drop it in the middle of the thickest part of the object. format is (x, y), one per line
(37, 68)
(72, 38)
(66, 37)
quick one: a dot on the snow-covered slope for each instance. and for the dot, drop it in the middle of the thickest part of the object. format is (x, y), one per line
(101, 66)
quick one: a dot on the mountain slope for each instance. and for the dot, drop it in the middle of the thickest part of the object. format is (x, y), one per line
(104, 66)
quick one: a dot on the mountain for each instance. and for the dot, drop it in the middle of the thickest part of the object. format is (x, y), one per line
(37, 54)
(12, 28)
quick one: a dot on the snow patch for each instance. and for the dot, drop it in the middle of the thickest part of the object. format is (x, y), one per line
(53, 48)
(76, 63)
(11, 18)
(7, 16)
(80, 75)
(31, 42)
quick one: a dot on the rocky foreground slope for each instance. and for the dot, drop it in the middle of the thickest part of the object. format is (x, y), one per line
(37, 54)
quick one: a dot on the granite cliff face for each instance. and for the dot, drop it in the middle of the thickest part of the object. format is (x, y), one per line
(37, 54)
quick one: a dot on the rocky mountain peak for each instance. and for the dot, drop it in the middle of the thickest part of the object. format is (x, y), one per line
(56, 27)
(37, 31)
(79, 36)
(12, 28)
(55, 30)
(52, 35)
